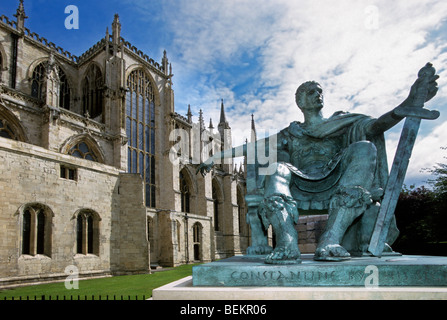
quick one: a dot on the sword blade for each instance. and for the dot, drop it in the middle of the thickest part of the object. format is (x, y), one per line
(394, 185)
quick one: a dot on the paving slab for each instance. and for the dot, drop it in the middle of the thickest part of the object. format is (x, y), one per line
(184, 290)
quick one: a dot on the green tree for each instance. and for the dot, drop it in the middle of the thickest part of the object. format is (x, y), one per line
(439, 183)
(414, 217)
(421, 215)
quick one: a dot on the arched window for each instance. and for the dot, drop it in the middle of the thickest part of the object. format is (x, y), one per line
(36, 230)
(185, 193)
(242, 221)
(83, 151)
(215, 209)
(197, 241)
(6, 131)
(10, 126)
(178, 229)
(38, 81)
(64, 89)
(79, 233)
(87, 232)
(26, 233)
(92, 87)
(40, 248)
(150, 234)
(140, 129)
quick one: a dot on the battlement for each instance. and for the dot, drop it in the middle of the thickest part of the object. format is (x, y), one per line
(107, 40)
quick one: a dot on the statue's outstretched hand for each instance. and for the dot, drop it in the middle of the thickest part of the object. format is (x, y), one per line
(426, 80)
(423, 89)
(204, 168)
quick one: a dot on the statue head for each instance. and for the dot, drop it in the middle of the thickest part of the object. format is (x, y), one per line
(309, 95)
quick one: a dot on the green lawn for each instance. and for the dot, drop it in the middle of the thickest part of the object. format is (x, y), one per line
(128, 287)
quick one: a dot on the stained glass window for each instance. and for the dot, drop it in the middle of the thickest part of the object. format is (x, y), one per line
(64, 92)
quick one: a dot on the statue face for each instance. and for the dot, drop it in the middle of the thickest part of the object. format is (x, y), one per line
(313, 97)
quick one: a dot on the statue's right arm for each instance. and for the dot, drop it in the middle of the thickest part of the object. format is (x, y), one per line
(249, 150)
(218, 157)
(427, 82)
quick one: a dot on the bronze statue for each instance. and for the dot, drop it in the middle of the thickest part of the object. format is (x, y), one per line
(337, 163)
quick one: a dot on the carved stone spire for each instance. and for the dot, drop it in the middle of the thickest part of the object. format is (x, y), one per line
(223, 123)
(189, 114)
(165, 63)
(201, 121)
(116, 30)
(225, 132)
(253, 129)
(21, 16)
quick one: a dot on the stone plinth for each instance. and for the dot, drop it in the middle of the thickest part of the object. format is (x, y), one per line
(390, 271)
(184, 290)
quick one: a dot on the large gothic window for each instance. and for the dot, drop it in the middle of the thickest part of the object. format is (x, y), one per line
(38, 81)
(92, 87)
(64, 89)
(140, 129)
(38, 84)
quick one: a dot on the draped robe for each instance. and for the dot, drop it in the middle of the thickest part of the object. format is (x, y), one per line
(316, 157)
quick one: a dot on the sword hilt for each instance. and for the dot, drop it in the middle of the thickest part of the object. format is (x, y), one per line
(424, 76)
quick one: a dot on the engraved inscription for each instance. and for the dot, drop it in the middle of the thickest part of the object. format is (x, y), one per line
(353, 276)
(289, 276)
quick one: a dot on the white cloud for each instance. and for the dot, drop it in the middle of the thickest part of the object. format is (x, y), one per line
(366, 55)
(428, 152)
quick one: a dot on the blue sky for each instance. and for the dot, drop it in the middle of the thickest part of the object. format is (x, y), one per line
(255, 53)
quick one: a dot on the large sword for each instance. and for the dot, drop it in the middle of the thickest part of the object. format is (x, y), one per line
(413, 115)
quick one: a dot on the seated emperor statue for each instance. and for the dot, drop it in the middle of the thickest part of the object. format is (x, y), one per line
(337, 163)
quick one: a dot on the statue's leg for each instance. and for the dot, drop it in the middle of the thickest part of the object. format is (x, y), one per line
(259, 241)
(280, 210)
(365, 229)
(350, 201)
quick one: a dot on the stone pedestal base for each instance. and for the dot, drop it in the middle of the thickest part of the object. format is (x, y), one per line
(363, 278)
(388, 271)
(184, 290)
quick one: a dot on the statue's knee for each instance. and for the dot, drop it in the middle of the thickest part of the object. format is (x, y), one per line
(282, 171)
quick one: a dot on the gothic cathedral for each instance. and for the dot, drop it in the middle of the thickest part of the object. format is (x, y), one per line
(88, 177)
